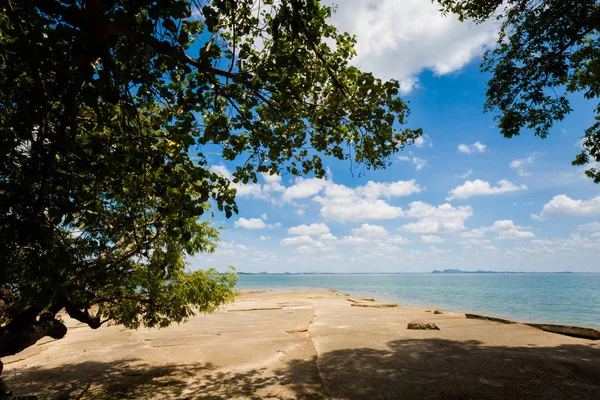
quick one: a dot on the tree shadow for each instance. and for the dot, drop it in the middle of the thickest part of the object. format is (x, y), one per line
(404, 369)
(446, 369)
(133, 379)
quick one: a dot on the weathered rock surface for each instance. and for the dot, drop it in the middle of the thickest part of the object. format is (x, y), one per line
(574, 331)
(486, 318)
(423, 326)
(324, 350)
(375, 305)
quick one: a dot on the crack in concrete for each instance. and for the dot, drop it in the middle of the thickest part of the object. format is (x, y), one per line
(316, 352)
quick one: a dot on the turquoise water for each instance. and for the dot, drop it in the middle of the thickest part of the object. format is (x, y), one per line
(572, 299)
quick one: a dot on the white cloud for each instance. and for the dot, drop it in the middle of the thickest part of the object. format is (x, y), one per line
(423, 141)
(263, 238)
(306, 244)
(574, 244)
(589, 227)
(504, 229)
(476, 147)
(400, 39)
(393, 189)
(298, 240)
(251, 223)
(354, 240)
(363, 203)
(300, 211)
(416, 162)
(309, 230)
(368, 230)
(304, 188)
(328, 237)
(263, 216)
(564, 205)
(373, 236)
(482, 188)
(520, 164)
(271, 184)
(467, 174)
(444, 218)
(474, 242)
(431, 239)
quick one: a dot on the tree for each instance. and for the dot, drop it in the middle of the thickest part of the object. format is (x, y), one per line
(109, 110)
(546, 50)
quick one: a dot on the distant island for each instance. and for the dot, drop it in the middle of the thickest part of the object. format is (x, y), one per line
(435, 271)
(479, 271)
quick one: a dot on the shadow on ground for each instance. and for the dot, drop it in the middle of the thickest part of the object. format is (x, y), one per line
(407, 369)
(445, 369)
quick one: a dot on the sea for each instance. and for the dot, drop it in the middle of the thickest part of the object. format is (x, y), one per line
(568, 299)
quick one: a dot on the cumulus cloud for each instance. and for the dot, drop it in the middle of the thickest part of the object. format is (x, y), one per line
(431, 239)
(364, 203)
(297, 240)
(306, 244)
(303, 188)
(563, 205)
(309, 230)
(520, 164)
(476, 147)
(431, 219)
(271, 184)
(482, 188)
(400, 39)
(251, 223)
(504, 229)
(373, 236)
(368, 230)
(589, 227)
(474, 242)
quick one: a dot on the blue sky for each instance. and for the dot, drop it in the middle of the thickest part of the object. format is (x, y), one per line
(463, 197)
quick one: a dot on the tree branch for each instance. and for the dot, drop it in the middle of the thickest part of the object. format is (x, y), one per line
(14, 341)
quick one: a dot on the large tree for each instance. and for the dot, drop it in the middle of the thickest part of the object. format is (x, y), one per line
(108, 112)
(547, 49)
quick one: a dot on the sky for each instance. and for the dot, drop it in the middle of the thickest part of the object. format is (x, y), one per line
(461, 197)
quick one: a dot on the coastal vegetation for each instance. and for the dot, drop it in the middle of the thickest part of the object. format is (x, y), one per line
(110, 111)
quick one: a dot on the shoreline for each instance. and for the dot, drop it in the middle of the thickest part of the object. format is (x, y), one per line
(405, 303)
(316, 344)
(560, 329)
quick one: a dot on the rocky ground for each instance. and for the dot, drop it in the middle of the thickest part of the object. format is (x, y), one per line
(311, 345)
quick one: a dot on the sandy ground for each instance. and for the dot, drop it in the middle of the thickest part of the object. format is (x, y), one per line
(310, 345)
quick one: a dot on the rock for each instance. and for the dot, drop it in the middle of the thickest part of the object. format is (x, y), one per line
(295, 331)
(423, 326)
(574, 331)
(374, 305)
(360, 299)
(486, 318)
(437, 312)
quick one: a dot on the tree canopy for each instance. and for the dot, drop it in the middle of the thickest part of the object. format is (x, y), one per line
(109, 111)
(546, 50)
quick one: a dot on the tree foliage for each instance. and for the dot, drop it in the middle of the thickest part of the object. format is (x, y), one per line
(108, 112)
(546, 50)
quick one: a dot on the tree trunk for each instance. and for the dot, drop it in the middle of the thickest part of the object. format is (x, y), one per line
(19, 338)
(16, 340)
